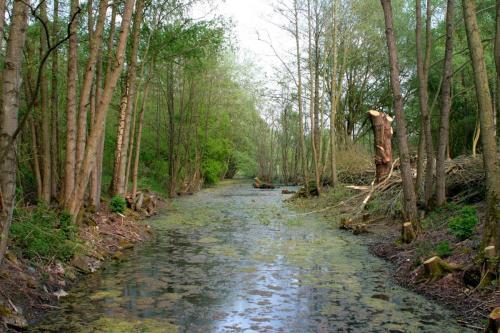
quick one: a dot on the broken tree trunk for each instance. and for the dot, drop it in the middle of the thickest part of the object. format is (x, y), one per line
(436, 268)
(382, 132)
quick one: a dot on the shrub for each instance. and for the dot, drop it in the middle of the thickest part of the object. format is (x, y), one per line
(117, 204)
(42, 233)
(443, 249)
(463, 225)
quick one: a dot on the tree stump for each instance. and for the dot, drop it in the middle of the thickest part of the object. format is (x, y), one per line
(382, 131)
(407, 233)
(494, 321)
(435, 268)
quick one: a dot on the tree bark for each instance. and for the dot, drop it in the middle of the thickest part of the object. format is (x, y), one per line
(122, 147)
(54, 105)
(334, 97)
(11, 83)
(138, 140)
(410, 203)
(101, 111)
(382, 132)
(70, 165)
(497, 62)
(303, 150)
(44, 112)
(422, 73)
(486, 117)
(444, 123)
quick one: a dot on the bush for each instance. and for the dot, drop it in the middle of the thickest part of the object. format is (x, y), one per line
(44, 234)
(463, 225)
(117, 204)
(443, 249)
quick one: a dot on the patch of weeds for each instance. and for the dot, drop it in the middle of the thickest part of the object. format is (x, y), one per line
(423, 250)
(44, 233)
(443, 249)
(463, 225)
(117, 204)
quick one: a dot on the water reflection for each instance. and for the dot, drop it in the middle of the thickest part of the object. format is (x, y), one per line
(232, 259)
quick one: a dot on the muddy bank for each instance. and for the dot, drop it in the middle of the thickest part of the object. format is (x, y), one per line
(29, 288)
(457, 291)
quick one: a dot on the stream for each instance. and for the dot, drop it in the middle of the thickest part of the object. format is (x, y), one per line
(237, 259)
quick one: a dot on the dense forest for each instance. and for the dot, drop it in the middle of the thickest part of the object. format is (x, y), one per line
(103, 101)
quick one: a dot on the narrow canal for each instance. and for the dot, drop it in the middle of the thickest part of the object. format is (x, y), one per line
(236, 259)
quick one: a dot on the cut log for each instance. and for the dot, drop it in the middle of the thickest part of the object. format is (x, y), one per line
(261, 185)
(436, 268)
(407, 233)
(494, 321)
(490, 253)
(382, 131)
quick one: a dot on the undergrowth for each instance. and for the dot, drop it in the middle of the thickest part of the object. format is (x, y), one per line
(44, 234)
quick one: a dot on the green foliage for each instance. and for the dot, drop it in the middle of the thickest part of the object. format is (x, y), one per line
(117, 204)
(443, 249)
(463, 225)
(44, 234)
(212, 171)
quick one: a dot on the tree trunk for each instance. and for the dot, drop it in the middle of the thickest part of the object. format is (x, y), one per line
(11, 83)
(334, 97)
(36, 159)
(70, 167)
(44, 112)
(486, 117)
(410, 202)
(303, 150)
(101, 111)
(94, 48)
(497, 63)
(422, 73)
(2, 21)
(444, 124)
(54, 105)
(138, 140)
(119, 181)
(382, 132)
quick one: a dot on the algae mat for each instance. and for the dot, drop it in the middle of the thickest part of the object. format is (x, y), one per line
(236, 259)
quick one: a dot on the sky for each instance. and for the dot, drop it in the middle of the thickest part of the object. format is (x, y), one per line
(254, 19)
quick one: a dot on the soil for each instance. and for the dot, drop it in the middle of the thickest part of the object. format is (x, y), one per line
(28, 289)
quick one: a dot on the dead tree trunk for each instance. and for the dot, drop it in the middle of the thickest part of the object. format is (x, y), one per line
(382, 132)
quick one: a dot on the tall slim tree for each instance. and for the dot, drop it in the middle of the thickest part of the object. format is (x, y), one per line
(44, 110)
(9, 107)
(444, 123)
(486, 117)
(334, 96)
(410, 202)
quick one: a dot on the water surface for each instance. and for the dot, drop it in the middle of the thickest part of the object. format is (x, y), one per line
(236, 259)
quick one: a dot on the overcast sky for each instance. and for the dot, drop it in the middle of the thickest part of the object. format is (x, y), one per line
(254, 18)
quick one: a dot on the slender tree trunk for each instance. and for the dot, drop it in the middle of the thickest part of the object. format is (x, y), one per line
(119, 181)
(422, 73)
(138, 140)
(444, 124)
(486, 117)
(410, 202)
(94, 47)
(94, 136)
(36, 159)
(70, 167)
(45, 114)
(333, 97)
(54, 105)
(303, 150)
(11, 83)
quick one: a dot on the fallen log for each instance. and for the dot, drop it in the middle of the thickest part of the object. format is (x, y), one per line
(262, 185)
